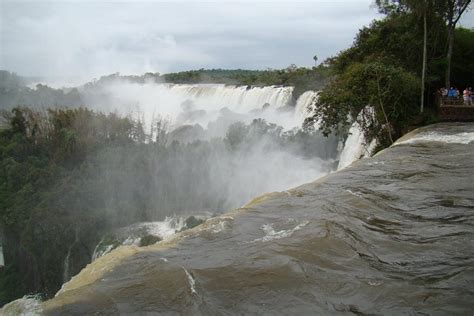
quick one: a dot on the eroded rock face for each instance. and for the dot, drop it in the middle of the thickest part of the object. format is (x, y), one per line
(391, 234)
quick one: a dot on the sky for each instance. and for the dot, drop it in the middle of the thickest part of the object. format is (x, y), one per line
(82, 38)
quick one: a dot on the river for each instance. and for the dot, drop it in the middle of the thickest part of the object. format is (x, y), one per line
(392, 234)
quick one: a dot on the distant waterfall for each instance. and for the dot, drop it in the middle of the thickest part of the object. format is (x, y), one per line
(236, 98)
(200, 103)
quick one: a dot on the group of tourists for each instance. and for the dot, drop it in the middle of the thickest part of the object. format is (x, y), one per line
(453, 94)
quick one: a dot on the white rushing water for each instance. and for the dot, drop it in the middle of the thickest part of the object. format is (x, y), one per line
(133, 234)
(272, 234)
(303, 107)
(356, 146)
(459, 138)
(25, 306)
(193, 104)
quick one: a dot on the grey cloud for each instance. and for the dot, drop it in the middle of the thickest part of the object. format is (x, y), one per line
(84, 38)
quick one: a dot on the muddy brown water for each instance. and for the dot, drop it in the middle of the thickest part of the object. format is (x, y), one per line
(391, 235)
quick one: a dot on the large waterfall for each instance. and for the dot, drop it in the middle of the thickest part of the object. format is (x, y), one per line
(268, 159)
(234, 97)
(198, 103)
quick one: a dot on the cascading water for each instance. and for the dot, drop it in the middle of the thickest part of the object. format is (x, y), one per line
(303, 107)
(200, 102)
(67, 269)
(235, 98)
(136, 233)
(356, 146)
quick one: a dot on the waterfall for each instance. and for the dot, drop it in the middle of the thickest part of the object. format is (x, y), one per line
(190, 104)
(303, 105)
(356, 146)
(67, 263)
(236, 98)
(2, 258)
(353, 147)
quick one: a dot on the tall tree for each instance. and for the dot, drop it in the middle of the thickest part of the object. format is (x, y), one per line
(453, 10)
(425, 43)
(420, 8)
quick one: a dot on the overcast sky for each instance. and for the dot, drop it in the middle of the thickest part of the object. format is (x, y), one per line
(78, 38)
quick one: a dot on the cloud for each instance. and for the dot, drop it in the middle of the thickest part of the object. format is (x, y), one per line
(84, 38)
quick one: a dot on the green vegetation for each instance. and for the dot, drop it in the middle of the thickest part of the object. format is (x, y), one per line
(391, 91)
(48, 192)
(302, 79)
(383, 70)
(15, 92)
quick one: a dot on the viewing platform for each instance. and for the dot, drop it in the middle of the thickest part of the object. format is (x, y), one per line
(455, 110)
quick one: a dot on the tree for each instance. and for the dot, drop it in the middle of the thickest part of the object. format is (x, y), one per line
(389, 90)
(425, 61)
(419, 8)
(315, 57)
(453, 10)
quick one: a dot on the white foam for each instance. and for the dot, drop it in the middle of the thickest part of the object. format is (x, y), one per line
(165, 229)
(219, 227)
(25, 306)
(162, 229)
(358, 194)
(191, 281)
(99, 253)
(271, 234)
(459, 138)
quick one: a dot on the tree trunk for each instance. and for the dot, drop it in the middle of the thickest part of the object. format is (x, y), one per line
(449, 55)
(423, 74)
